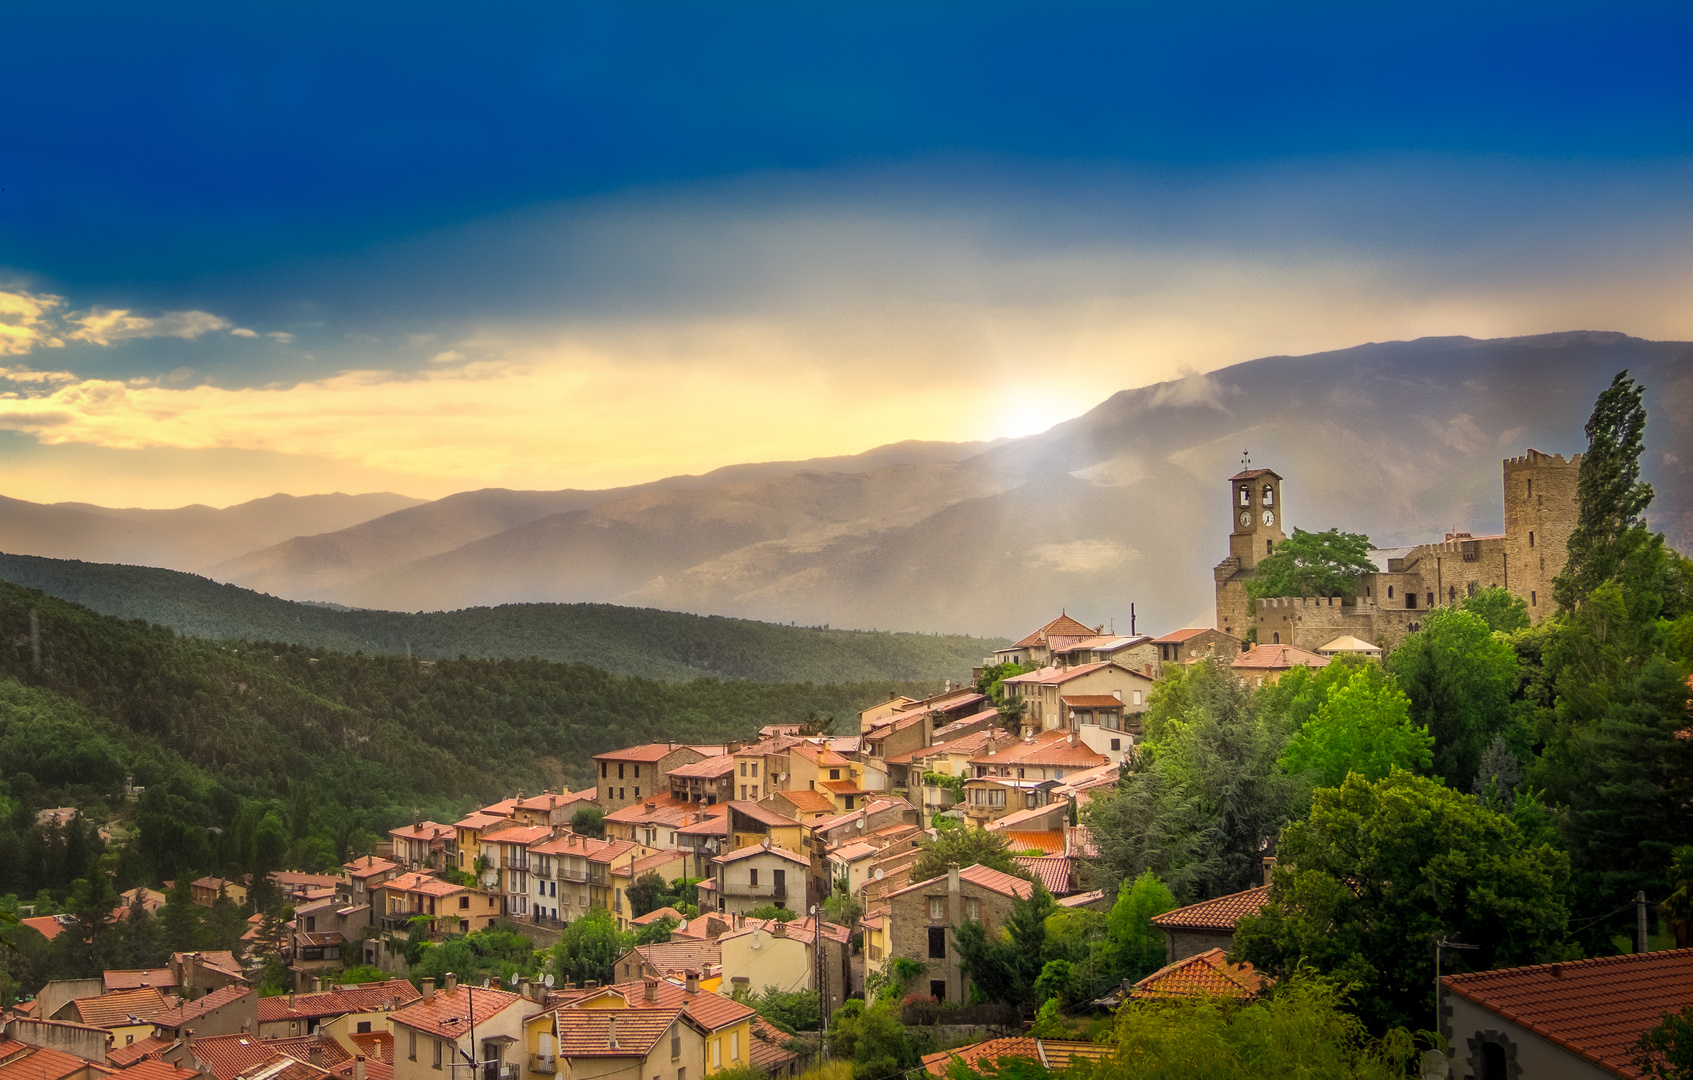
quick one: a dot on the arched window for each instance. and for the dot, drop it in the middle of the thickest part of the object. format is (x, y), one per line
(1275, 639)
(1269, 495)
(1246, 497)
(1493, 1062)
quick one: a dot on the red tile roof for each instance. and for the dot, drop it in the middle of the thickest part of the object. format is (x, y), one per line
(218, 998)
(758, 849)
(128, 1055)
(48, 926)
(766, 1048)
(1176, 637)
(807, 801)
(711, 768)
(1052, 871)
(9, 1047)
(709, 1010)
(680, 954)
(1063, 626)
(449, 1015)
(1092, 701)
(423, 830)
(593, 1032)
(1054, 1054)
(122, 1007)
(660, 913)
(514, 833)
(762, 815)
(842, 787)
(649, 752)
(44, 1064)
(1206, 974)
(364, 997)
(375, 1045)
(1048, 842)
(1278, 658)
(1222, 913)
(135, 978)
(227, 1056)
(1004, 884)
(659, 809)
(1596, 1009)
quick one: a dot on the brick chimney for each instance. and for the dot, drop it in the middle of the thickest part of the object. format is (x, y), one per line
(651, 993)
(693, 981)
(779, 930)
(316, 1054)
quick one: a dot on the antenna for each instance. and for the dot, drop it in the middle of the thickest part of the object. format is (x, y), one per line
(1245, 461)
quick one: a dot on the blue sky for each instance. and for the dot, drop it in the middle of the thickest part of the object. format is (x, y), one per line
(771, 230)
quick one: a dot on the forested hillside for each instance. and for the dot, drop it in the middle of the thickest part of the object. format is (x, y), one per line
(236, 742)
(622, 640)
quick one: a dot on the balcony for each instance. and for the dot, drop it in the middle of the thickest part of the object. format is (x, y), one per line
(543, 1063)
(573, 875)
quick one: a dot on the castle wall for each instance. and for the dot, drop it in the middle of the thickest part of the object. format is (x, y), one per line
(1541, 507)
(1233, 614)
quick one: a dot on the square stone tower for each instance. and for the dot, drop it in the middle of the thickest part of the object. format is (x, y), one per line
(1541, 507)
(1255, 510)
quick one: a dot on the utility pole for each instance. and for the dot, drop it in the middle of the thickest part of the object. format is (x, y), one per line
(1442, 942)
(1640, 906)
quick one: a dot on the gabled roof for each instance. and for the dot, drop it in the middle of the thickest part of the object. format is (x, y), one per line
(762, 815)
(622, 1033)
(821, 755)
(803, 930)
(364, 997)
(708, 1010)
(1595, 1009)
(421, 883)
(1063, 626)
(368, 866)
(481, 819)
(807, 801)
(1222, 913)
(1048, 748)
(44, 1064)
(1187, 633)
(986, 877)
(1349, 644)
(646, 753)
(766, 1047)
(1253, 474)
(449, 1015)
(423, 830)
(227, 1056)
(759, 849)
(375, 1045)
(217, 999)
(660, 809)
(1052, 871)
(126, 1055)
(586, 847)
(713, 824)
(1206, 974)
(517, 834)
(711, 768)
(681, 954)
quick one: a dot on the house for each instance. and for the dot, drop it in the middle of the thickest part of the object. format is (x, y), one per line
(653, 822)
(1037, 649)
(363, 874)
(708, 781)
(225, 1057)
(207, 890)
(337, 1012)
(751, 824)
(1196, 643)
(653, 1027)
(668, 865)
(1575, 1019)
(1263, 665)
(468, 836)
(453, 909)
(503, 863)
(1209, 924)
(578, 873)
(921, 916)
(758, 876)
(425, 845)
(320, 929)
(878, 711)
(1041, 692)
(547, 808)
(767, 952)
(1053, 1054)
(126, 1014)
(1202, 975)
(225, 1011)
(42, 1063)
(1133, 651)
(950, 759)
(1024, 774)
(676, 957)
(802, 804)
(629, 775)
(434, 1034)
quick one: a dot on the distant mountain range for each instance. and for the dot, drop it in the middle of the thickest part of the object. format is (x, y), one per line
(1124, 505)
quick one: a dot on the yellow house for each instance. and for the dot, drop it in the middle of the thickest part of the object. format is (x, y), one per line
(820, 769)
(127, 1014)
(470, 832)
(724, 1026)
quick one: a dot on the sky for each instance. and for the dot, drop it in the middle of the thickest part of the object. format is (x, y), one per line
(427, 248)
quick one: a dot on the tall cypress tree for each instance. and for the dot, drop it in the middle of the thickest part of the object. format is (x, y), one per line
(1610, 531)
(181, 919)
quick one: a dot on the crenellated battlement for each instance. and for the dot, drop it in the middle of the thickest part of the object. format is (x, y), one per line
(1534, 459)
(1301, 603)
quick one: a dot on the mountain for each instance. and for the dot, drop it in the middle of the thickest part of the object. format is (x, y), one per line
(622, 640)
(1124, 505)
(185, 538)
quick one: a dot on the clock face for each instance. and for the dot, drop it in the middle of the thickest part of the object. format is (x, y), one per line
(1245, 519)
(1269, 518)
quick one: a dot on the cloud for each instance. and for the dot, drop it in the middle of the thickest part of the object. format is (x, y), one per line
(280, 335)
(102, 326)
(242, 331)
(26, 322)
(448, 357)
(1193, 388)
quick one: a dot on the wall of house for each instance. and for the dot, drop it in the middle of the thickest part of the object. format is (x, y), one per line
(909, 924)
(1468, 1025)
(1179, 944)
(75, 1039)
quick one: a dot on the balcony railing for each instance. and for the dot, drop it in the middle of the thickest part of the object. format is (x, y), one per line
(543, 1063)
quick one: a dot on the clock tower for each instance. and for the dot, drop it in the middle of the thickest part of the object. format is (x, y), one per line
(1255, 507)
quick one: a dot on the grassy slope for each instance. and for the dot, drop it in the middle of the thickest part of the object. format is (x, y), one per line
(630, 641)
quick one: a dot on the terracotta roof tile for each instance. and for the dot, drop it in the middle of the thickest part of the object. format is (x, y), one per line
(679, 955)
(135, 978)
(227, 1056)
(1054, 1054)
(423, 830)
(1206, 974)
(449, 1015)
(1594, 1008)
(123, 1007)
(613, 1032)
(1052, 871)
(1176, 637)
(1277, 658)
(711, 768)
(128, 1055)
(43, 1064)
(649, 752)
(1048, 842)
(375, 1045)
(218, 998)
(364, 997)
(987, 878)
(807, 801)
(766, 1048)
(758, 849)
(1222, 913)
(284, 1067)
(155, 1069)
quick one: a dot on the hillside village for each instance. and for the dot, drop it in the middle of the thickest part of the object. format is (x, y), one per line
(789, 860)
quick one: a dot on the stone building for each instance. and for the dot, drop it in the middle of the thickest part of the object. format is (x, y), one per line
(1540, 513)
(919, 923)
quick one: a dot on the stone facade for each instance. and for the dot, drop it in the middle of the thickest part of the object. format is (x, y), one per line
(919, 927)
(1540, 513)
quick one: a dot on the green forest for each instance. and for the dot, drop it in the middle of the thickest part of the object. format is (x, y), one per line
(256, 755)
(622, 640)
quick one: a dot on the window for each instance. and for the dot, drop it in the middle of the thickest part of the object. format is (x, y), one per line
(752, 877)
(1390, 592)
(755, 793)
(1269, 546)
(1431, 599)
(973, 909)
(411, 1045)
(1493, 1061)
(436, 1064)
(682, 1073)
(620, 793)
(1410, 600)
(755, 768)
(676, 1044)
(1138, 699)
(743, 793)
(1531, 485)
(743, 768)
(937, 989)
(937, 943)
(311, 924)
(1275, 639)
(620, 770)
(717, 1053)
(1245, 495)
(834, 774)
(1116, 744)
(364, 1027)
(637, 772)
(849, 802)
(1269, 495)
(1533, 599)
(734, 1046)
(937, 908)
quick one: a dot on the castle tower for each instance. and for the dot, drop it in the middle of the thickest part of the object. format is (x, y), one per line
(1255, 510)
(1541, 506)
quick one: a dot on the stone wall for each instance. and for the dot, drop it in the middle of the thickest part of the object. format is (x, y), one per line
(1541, 507)
(909, 924)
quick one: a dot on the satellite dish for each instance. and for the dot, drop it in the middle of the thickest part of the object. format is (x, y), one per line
(879, 873)
(547, 982)
(861, 823)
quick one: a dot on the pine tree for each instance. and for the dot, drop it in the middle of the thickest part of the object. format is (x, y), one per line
(1610, 537)
(143, 940)
(181, 919)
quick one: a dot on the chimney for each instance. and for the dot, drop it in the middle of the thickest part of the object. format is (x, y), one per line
(358, 1067)
(290, 1001)
(316, 1055)
(1075, 737)
(693, 981)
(952, 885)
(188, 1038)
(429, 990)
(494, 983)
(779, 930)
(591, 984)
(611, 1032)
(523, 988)
(452, 982)
(651, 990)
(1269, 865)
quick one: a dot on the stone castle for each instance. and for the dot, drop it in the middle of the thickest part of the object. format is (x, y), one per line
(1540, 514)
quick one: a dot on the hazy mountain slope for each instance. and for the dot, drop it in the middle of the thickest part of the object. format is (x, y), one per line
(1128, 503)
(621, 640)
(184, 538)
(331, 565)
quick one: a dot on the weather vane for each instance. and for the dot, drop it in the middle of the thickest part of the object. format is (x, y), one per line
(1245, 459)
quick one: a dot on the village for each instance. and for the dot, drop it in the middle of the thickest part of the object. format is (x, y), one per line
(761, 840)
